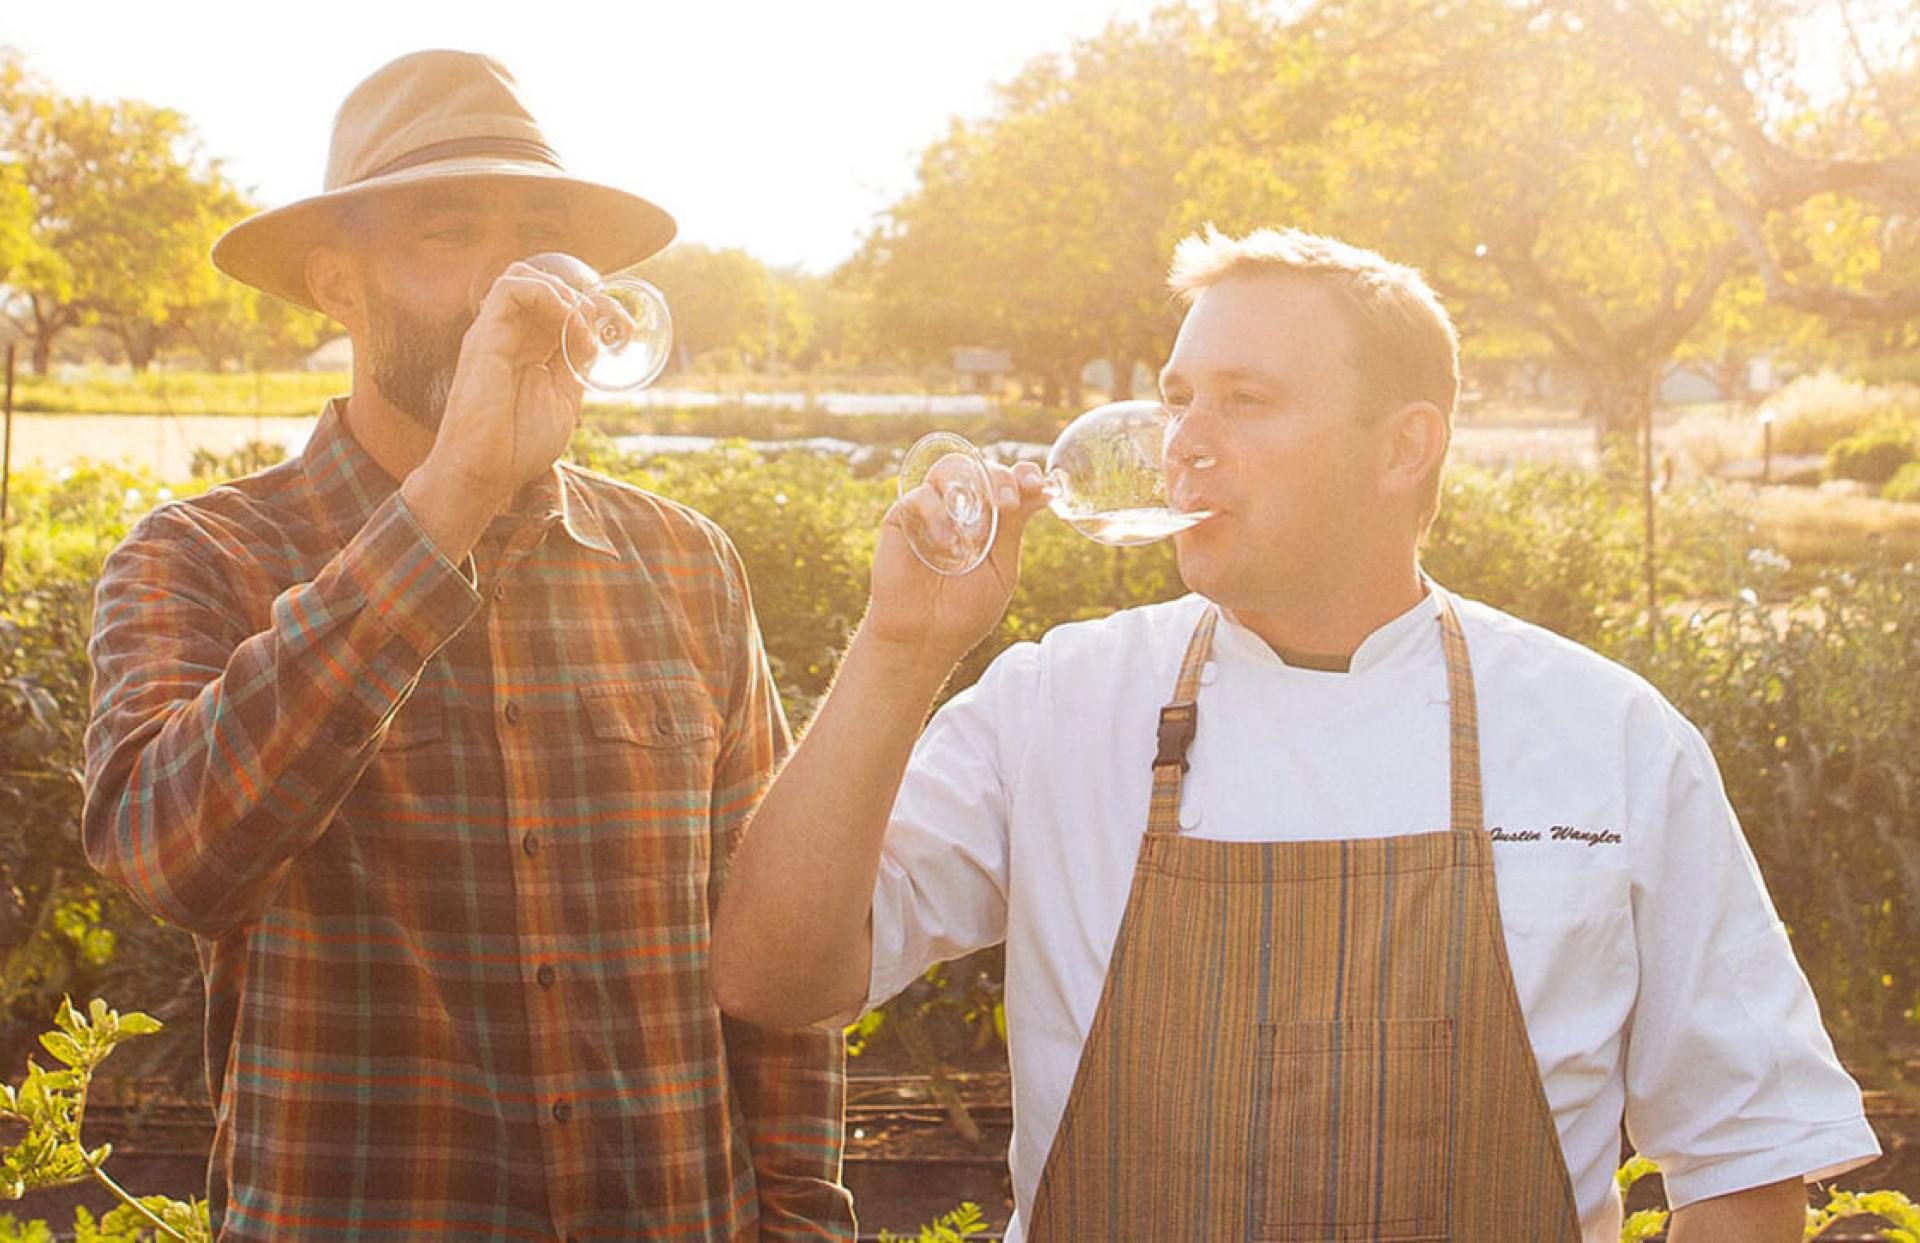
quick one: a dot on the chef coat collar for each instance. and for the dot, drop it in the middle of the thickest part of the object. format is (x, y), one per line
(1395, 642)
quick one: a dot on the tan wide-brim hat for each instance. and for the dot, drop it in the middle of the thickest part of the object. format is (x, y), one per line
(434, 116)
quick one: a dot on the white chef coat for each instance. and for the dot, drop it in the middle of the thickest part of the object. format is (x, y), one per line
(1654, 975)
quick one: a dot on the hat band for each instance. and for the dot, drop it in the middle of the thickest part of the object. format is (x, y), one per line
(459, 148)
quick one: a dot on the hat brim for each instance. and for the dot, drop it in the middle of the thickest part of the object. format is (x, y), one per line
(609, 229)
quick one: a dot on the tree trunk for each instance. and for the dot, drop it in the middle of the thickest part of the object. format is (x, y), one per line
(1076, 388)
(141, 341)
(1730, 373)
(1123, 377)
(43, 350)
(1618, 398)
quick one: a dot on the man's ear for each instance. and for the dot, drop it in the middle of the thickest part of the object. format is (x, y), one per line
(1417, 439)
(338, 286)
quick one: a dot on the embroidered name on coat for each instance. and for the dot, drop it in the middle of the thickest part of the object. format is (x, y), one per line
(1558, 833)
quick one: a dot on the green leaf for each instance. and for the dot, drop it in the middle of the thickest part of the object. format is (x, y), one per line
(63, 1047)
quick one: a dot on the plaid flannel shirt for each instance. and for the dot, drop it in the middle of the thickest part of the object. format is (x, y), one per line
(449, 838)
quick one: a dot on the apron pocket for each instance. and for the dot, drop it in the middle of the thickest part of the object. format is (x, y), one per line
(1352, 1124)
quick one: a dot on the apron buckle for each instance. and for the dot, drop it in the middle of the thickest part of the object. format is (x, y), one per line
(1178, 722)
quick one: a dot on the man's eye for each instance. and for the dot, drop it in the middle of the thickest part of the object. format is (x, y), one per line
(1177, 401)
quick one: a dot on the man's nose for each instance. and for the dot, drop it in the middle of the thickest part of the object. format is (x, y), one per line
(1189, 435)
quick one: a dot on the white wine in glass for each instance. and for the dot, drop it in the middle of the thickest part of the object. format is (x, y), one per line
(1104, 478)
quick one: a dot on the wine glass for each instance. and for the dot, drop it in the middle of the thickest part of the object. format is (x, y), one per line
(628, 331)
(1103, 478)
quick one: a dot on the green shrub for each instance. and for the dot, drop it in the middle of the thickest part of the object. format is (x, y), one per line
(1876, 454)
(49, 1106)
(1817, 744)
(1818, 755)
(249, 457)
(1814, 412)
(1905, 484)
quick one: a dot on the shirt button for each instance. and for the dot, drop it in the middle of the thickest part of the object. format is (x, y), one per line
(545, 975)
(513, 712)
(562, 1111)
(662, 724)
(499, 591)
(530, 844)
(1209, 670)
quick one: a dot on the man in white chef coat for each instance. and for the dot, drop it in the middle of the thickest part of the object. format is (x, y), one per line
(1335, 906)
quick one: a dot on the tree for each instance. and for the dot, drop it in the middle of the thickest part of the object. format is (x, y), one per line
(1821, 185)
(118, 210)
(1044, 228)
(1484, 143)
(718, 298)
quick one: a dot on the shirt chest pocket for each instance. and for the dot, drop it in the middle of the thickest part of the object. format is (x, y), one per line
(649, 770)
(1569, 936)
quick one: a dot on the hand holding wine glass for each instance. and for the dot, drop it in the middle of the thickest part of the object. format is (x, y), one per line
(936, 615)
(619, 332)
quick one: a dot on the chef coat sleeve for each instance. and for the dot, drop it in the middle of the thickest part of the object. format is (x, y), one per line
(942, 887)
(1731, 1080)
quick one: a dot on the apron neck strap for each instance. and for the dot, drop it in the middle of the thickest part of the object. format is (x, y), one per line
(1464, 725)
(1179, 721)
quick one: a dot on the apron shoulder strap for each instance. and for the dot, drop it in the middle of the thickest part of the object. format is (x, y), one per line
(1464, 727)
(1179, 721)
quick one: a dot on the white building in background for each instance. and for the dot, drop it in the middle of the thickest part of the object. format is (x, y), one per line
(335, 355)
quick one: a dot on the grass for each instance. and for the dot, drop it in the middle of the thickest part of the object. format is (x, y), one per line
(296, 393)
(178, 392)
(1811, 525)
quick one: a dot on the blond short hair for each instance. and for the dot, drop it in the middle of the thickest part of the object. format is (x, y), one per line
(1405, 347)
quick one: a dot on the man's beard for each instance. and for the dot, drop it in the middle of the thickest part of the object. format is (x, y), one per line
(413, 360)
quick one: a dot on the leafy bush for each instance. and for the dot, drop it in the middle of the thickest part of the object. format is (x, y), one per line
(1814, 412)
(249, 457)
(50, 1107)
(1905, 484)
(1819, 761)
(1876, 454)
(964, 1222)
(1566, 549)
(1819, 758)
(62, 928)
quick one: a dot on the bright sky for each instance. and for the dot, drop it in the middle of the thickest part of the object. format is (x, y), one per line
(779, 126)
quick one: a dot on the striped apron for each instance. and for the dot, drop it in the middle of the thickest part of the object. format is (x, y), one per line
(1309, 1040)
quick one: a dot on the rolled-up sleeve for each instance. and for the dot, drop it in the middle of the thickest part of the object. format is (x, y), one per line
(1731, 1079)
(942, 888)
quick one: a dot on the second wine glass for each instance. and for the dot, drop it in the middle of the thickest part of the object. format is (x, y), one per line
(1104, 478)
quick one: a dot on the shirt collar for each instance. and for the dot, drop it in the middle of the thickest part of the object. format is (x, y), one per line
(348, 485)
(1402, 638)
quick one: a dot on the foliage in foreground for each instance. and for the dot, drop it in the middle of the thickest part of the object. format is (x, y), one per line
(52, 1104)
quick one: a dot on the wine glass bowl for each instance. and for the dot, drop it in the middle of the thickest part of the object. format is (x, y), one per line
(1104, 478)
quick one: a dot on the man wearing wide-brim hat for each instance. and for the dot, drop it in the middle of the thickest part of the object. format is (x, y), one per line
(439, 745)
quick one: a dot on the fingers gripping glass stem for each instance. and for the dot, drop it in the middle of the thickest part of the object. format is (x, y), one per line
(620, 333)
